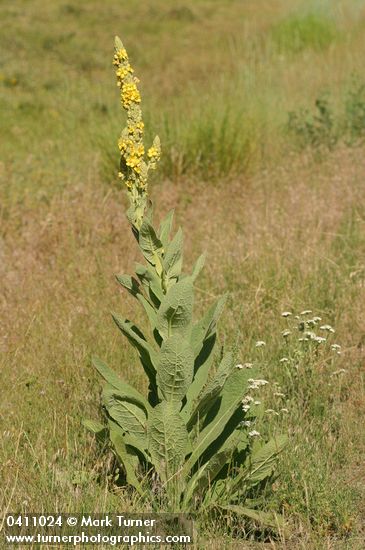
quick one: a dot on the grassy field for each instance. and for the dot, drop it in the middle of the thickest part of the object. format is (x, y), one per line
(277, 200)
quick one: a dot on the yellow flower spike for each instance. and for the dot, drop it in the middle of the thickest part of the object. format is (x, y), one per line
(133, 168)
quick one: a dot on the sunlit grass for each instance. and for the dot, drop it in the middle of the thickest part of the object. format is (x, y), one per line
(283, 232)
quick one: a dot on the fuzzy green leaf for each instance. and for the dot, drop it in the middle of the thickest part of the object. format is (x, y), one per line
(165, 228)
(263, 518)
(176, 309)
(126, 456)
(206, 327)
(172, 262)
(136, 338)
(123, 389)
(167, 439)
(206, 474)
(130, 416)
(149, 309)
(207, 397)
(150, 244)
(175, 368)
(260, 464)
(263, 461)
(100, 431)
(202, 367)
(234, 390)
(118, 44)
(151, 284)
(199, 264)
(129, 283)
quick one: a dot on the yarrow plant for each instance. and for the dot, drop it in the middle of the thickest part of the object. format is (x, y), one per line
(307, 356)
(192, 442)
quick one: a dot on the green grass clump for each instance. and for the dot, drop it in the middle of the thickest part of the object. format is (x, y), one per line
(295, 34)
(205, 136)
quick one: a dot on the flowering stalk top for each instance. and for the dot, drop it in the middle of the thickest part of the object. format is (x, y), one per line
(134, 163)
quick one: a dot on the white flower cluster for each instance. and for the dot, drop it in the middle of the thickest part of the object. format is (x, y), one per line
(260, 344)
(254, 384)
(328, 328)
(244, 366)
(246, 403)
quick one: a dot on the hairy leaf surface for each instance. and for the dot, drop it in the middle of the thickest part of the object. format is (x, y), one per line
(168, 439)
(207, 397)
(122, 389)
(150, 244)
(130, 416)
(172, 262)
(175, 368)
(165, 228)
(206, 327)
(176, 309)
(127, 457)
(232, 394)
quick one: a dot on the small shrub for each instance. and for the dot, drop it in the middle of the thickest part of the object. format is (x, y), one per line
(324, 126)
(315, 129)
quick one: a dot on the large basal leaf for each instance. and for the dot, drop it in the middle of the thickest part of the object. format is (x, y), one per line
(234, 390)
(264, 519)
(100, 431)
(172, 262)
(175, 368)
(167, 439)
(176, 309)
(130, 416)
(122, 389)
(127, 457)
(165, 228)
(207, 473)
(262, 462)
(150, 245)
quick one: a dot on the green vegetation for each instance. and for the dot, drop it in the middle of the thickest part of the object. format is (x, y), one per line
(296, 34)
(283, 231)
(326, 125)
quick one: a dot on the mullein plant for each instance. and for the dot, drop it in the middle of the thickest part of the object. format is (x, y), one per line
(190, 443)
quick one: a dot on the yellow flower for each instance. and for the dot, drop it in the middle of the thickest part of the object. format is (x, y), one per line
(152, 152)
(134, 169)
(122, 54)
(130, 94)
(140, 150)
(132, 161)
